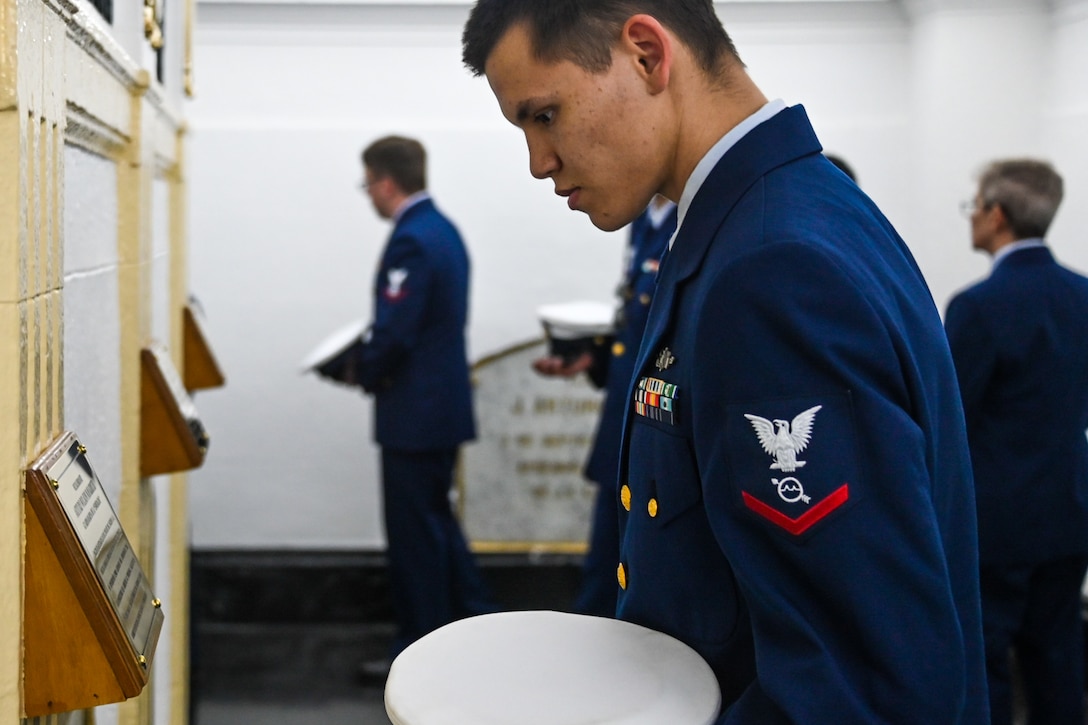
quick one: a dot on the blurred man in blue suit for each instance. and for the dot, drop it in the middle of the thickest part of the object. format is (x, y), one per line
(794, 478)
(1020, 342)
(609, 366)
(413, 361)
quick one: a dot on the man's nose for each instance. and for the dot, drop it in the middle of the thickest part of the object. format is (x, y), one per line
(543, 163)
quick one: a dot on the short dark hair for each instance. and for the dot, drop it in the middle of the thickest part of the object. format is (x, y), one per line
(584, 31)
(404, 160)
(1028, 192)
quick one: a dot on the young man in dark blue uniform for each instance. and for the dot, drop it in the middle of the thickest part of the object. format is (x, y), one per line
(1020, 342)
(611, 368)
(795, 482)
(414, 363)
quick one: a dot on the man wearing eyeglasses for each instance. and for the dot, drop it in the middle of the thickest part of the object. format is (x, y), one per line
(413, 362)
(1019, 340)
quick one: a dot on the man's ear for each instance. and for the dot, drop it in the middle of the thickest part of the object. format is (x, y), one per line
(999, 218)
(651, 47)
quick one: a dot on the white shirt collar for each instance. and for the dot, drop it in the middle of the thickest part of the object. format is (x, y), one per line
(658, 214)
(408, 203)
(1016, 247)
(715, 154)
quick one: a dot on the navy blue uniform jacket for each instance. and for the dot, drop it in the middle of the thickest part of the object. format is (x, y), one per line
(414, 361)
(797, 496)
(1020, 342)
(647, 246)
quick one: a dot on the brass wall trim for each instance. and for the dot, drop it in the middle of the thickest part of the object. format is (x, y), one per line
(529, 547)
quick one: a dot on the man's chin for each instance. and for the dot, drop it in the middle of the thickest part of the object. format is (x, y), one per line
(607, 222)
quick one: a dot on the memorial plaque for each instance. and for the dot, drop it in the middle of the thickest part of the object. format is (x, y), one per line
(172, 436)
(64, 477)
(199, 363)
(521, 481)
(173, 382)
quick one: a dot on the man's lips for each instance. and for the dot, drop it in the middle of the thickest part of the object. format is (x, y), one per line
(571, 194)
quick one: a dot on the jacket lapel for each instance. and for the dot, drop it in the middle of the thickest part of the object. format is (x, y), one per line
(783, 138)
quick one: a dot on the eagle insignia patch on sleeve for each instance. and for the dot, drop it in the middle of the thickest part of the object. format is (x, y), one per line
(784, 440)
(776, 484)
(395, 289)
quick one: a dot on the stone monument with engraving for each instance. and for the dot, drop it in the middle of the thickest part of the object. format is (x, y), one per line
(521, 483)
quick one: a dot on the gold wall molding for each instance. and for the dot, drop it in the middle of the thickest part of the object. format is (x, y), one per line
(31, 253)
(102, 83)
(187, 52)
(91, 133)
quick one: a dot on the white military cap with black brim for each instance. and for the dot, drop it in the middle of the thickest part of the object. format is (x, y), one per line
(573, 328)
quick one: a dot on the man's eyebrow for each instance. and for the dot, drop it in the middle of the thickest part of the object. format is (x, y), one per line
(525, 108)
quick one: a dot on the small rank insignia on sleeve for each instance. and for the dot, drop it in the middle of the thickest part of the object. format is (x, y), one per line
(655, 399)
(766, 441)
(395, 290)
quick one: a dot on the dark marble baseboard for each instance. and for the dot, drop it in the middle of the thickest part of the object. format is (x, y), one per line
(271, 586)
(291, 626)
(297, 662)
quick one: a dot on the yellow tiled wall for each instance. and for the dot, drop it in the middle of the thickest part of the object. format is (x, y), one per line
(65, 81)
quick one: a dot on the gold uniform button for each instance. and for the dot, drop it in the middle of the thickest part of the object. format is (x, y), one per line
(652, 507)
(618, 349)
(621, 576)
(625, 497)
(644, 298)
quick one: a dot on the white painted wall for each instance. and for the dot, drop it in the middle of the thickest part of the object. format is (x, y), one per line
(161, 574)
(916, 95)
(284, 245)
(966, 62)
(92, 341)
(1065, 128)
(92, 331)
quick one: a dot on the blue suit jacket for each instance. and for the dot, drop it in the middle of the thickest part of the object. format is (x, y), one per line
(414, 361)
(796, 479)
(647, 245)
(1020, 342)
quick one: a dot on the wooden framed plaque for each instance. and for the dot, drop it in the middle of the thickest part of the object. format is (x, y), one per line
(91, 621)
(200, 366)
(172, 437)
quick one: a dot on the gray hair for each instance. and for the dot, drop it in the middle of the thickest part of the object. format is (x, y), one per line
(1028, 192)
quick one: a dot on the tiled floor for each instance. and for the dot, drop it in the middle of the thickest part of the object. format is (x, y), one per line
(367, 709)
